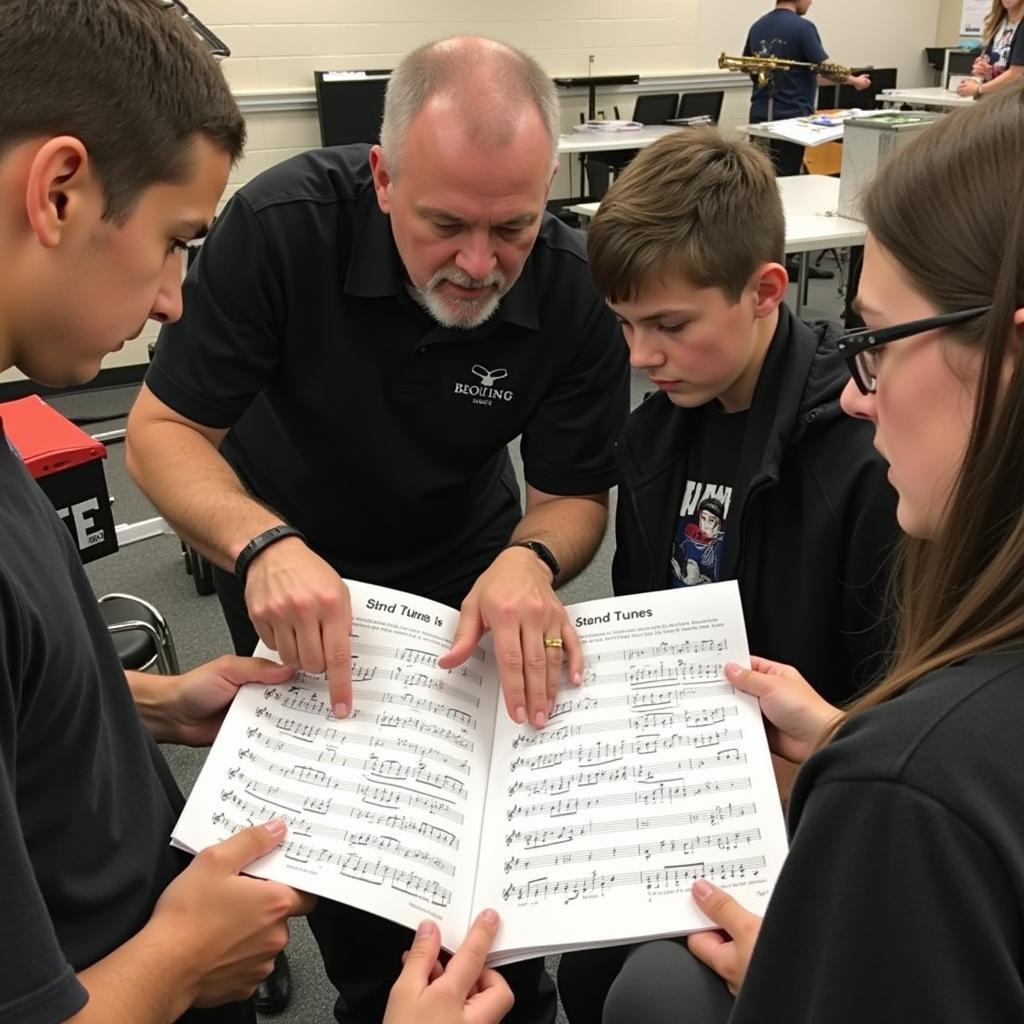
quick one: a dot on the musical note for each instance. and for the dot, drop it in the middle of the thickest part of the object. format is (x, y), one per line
(672, 878)
(378, 795)
(559, 835)
(683, 844)
(355, 867)
(257, 812)
(661, 794)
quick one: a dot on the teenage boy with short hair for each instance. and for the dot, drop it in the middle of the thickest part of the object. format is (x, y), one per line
(117, 132)
(688, 248)
(741, 464)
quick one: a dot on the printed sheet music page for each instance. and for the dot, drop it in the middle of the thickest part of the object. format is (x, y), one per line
(654, 774)
(429, 801)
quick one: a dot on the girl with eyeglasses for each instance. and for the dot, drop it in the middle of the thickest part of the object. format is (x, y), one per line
(902, 898)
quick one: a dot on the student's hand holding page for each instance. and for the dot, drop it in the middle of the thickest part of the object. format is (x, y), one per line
(220, 927)
(795, 714)
(726, 952)
(190, 708)
(464, 992)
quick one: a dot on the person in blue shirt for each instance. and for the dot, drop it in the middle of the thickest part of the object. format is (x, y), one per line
(785, 32)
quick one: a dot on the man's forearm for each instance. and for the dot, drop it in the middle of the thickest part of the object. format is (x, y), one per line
(571, 526)
(195, 489)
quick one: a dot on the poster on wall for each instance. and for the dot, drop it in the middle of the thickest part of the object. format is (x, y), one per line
(973, 17)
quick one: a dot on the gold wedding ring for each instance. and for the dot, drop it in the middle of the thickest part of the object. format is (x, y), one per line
(553, 641)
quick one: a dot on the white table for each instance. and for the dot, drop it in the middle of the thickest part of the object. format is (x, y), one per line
(810, 203)
(600, 141)
(934, 96)
(795, 130)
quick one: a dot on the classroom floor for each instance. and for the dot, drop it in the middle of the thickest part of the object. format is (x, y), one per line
(154, 570)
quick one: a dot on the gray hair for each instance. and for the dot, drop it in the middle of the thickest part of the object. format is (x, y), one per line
(489, 81)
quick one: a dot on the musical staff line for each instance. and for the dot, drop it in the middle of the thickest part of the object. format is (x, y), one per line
(608, 753)
(331, 754)
(314, 704)
(652, 720)
(387, 772)
(684, 845)
(648, 773)
(642, 701)
(661, 795)
(375, 795)
(671, 878)
(410, 655)
(541, 838)
(313, 733)
(259, 812)
(351, 865)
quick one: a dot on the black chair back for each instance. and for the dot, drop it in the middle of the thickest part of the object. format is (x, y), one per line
(655, 107)
(696, 104)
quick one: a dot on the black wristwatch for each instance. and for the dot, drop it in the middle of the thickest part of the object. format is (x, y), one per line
(258, 543)
(544, 553)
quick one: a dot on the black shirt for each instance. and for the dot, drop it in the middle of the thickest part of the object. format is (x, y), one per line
(698, 543)
(902, 897)
(86, 800)
(378, 433)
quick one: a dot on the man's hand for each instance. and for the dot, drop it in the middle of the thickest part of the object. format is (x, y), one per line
(463, 992)
(229, 926)
(301, 608)
(514, 600)
(726, 952)
(859, 82)
(796, 716)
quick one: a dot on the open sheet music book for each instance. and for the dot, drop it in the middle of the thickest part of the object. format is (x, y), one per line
(429, 801)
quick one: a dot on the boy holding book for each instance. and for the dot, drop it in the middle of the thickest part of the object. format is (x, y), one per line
(740, 465)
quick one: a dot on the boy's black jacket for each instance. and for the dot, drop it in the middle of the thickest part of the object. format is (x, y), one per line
(812, 520)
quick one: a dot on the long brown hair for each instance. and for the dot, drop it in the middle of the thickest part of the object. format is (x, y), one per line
(962, 593)
(993, 20)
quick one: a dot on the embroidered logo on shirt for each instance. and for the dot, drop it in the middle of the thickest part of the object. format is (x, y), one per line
(485, 393)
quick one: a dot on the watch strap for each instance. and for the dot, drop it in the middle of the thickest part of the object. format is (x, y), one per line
(543, 552)
(258, 543)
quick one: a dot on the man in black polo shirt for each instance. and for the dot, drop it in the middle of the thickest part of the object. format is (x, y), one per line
(366, 331)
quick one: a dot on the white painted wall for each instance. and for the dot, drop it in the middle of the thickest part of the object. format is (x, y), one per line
(277, 44)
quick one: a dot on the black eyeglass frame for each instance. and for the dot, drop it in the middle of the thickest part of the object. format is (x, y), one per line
(853, 343)
(217, 47)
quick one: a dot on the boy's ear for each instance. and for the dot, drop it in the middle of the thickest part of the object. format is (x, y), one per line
(60, 189)
(769, 283)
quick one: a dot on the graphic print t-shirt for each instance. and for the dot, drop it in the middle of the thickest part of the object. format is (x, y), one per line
(698, 544)
(1007, 47)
